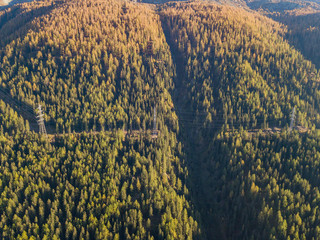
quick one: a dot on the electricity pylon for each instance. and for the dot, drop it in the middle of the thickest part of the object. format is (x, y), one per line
(42, 127)
(155, 121)
(292, 118)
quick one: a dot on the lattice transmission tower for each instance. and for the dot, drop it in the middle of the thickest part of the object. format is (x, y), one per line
(155, 132)
(40, 117)
(292, 118)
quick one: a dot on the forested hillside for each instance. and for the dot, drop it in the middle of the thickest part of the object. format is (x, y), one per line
(301, 18)
(10, 121)
(211, 79)
(93, 187)
(88, 64)
(261, 187)
(303, 31)
(235, 72)
(45, 61)
(238, 69)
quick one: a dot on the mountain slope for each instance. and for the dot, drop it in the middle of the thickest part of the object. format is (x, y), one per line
(303, 30)
(92, 186)
(209, 79)
(89, 66)
(262, 187)
(239, 70)
(239, 73)
(115, 86)
(302, 20)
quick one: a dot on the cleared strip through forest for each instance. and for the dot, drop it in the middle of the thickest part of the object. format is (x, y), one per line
(134, 134)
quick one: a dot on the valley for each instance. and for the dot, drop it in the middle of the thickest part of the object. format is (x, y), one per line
(183, 120)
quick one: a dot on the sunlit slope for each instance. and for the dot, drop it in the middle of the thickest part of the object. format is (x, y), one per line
(93, 187)
(87, 63)
(94, 67)
(3, 2)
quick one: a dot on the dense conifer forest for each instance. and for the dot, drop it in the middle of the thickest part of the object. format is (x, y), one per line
(172, 121)
(94, 185)
(303, 31)
(240, 76)
(239, 72)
